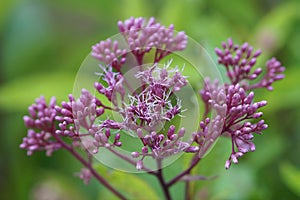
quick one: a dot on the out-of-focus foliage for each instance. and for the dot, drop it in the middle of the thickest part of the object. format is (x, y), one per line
(138, 188)
(291, 175)
(44, 42)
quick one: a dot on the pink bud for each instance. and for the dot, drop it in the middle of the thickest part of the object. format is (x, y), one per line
(234, 159)
(139, 133)
(135, 154)
(139, 164)
(144, 149)
(181, 132)
(227, 164)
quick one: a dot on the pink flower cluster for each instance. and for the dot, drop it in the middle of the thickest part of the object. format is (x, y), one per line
(240, 61)
(88, 120)
(142, 36)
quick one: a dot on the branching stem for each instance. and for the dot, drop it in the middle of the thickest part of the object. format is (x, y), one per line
(88, 165)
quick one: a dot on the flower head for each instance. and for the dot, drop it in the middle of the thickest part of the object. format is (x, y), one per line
(41, 124)
(154, 105)
(239, 62)
(144, 110)
(163, 78)
(142, 36)
(114, 81)
(78, 115)
(85, 175)
(274, 73)
(234, 107)
(109, 53)
(159, 146)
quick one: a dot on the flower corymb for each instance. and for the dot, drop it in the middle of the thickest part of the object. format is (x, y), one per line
(99, 121)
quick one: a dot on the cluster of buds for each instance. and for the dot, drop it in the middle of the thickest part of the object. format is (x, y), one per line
(41, 124)
(109, 53)
(114, 82)
(85, 175)
(233, 107)
(160, 146)
(240, 107)
(274, 73)
(79, 115)
(240, 61)
(142, 36)
(235, 113)
(102, 140)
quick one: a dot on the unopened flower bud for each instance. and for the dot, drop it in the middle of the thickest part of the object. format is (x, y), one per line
(139, 164)
(135, 154)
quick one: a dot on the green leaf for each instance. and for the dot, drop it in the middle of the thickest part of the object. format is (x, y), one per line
(266, 154)
(290, 176)
(213, 164)
(237, 183)
(54, 185)
(129, 184)
(16, 95)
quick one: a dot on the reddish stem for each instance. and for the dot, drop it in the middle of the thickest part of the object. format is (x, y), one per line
(127, 159)
(89, 166)
(194, 162)
(159, 176)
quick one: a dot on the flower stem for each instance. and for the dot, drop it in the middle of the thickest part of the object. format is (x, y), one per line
(129, 160)
(102, 180)
(187, 190)
(162, 181)
(194, 162)
(206, 111)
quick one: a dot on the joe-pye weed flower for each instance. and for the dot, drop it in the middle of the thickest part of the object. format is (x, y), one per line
(145, 111)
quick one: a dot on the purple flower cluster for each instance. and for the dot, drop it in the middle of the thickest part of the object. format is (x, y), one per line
(109, 53)
(78, 116)
(85, 175)
(144, 111)
(162, 146)
(153, 105)
(142, 36)
(234, 101)
(114, 82)
(234, 106)
(48, 123)
(274, 73)
(240, 107)
(162, 79)
(41, 124)
(240, 61)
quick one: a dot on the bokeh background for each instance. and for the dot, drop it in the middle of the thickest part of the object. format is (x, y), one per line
(43, 42)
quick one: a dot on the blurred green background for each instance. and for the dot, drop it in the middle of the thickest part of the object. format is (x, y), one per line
(42, 44)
